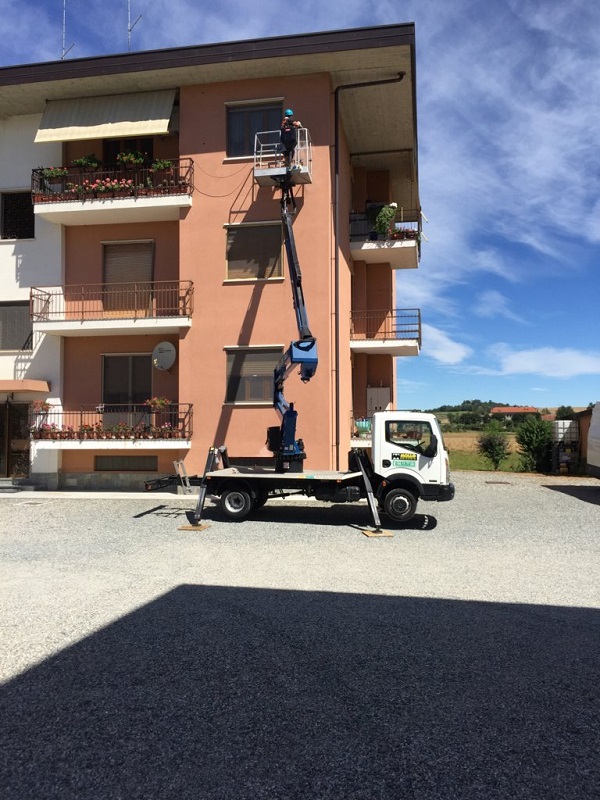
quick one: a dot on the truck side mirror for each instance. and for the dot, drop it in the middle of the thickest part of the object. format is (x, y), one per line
(431, 450)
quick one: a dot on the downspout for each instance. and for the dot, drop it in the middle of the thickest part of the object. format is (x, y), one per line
(336, 229)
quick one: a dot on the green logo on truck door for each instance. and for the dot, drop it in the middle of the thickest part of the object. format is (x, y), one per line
(404, 460)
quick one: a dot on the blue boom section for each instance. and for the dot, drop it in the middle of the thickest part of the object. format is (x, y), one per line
(301, 353)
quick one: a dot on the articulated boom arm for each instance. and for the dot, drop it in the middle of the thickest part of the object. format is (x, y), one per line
(301, 353)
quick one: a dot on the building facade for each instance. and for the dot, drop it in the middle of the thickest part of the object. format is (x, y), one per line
(144, 297)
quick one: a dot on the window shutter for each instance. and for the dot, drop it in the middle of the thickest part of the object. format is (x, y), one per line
(128, 269)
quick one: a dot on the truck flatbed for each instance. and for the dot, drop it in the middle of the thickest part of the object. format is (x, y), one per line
(267, 473)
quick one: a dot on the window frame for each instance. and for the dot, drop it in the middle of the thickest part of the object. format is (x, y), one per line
(237, 107)
(266, 376)
(244, 226)
(27, 345)
(30, 221)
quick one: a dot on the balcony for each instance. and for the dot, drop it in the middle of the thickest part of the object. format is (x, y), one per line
(118, 194)
(269, 166)
(401, 249)
(112, 309)
(392, 333)
(113, 427)
(360, 430)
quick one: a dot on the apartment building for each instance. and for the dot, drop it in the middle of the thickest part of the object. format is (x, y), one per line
(144, 293)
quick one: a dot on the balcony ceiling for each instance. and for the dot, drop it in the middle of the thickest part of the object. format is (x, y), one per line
(379, 121)
(385, 347)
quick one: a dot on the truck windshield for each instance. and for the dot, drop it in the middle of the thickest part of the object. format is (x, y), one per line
(416, 436)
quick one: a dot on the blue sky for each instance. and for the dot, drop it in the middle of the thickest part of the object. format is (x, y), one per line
(509, 113)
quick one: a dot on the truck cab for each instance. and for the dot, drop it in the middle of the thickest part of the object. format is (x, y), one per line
(409, 461)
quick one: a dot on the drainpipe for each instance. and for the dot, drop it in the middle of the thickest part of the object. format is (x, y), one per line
(336, 230)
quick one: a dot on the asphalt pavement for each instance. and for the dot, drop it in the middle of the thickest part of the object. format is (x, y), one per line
(291, 656)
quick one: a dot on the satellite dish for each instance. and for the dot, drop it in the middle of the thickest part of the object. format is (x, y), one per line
(163, 355)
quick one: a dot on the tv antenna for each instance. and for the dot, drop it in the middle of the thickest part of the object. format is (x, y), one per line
(130, 27)
(65, 49)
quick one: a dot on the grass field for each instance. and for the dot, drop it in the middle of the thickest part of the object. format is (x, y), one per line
(462, 448)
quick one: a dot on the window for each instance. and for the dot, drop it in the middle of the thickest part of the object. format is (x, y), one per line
(127, 379)
(17, 216)
(244, 121)
(128, 269)
(254, 252)
(16, 328)
(250, 374)
(416, 436)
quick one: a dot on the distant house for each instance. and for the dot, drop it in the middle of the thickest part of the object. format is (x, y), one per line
(512, 413)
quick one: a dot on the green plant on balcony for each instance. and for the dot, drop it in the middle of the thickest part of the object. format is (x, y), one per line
(41, 406)
(50, 173)
(157, 403)
(87, 162)
(160, 164)
(131, 158)
(385, 219)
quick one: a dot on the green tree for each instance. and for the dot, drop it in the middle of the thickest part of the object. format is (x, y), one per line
(534, 437)
(564, 412)
(493, 444)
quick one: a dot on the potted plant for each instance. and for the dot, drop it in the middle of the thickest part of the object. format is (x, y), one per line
(161, 164)
(384, 222)
(85, 431)
(41, 406)
(54, 178)
(87, 162)
(131, 158)
(157, 403)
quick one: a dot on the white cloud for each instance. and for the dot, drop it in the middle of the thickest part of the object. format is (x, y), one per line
(494, 304)
(549, 362)
(438, 345)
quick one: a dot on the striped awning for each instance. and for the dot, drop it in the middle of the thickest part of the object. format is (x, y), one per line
(107, 117)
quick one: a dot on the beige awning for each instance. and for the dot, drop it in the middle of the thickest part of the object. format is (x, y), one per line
(24, 386)
(112, 116)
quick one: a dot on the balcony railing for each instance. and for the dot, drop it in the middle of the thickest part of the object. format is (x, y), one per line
(102, 301)
(113, 421)
(139, 180)
(398, 325)
(407, 227)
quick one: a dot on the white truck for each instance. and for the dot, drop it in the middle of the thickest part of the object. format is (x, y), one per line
(408, 464)
(593, 448)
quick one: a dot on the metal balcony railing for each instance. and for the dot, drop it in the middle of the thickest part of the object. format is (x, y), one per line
(118, 181)
(102, 301)
(396, 325)
(113, 421)
(407, 225)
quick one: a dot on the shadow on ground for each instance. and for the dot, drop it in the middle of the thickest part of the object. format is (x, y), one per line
(589, 494)
(338, 515)
(218, 692)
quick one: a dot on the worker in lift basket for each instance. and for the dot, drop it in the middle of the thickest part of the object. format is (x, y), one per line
(289, 136)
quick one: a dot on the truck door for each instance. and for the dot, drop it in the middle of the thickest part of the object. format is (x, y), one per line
(410, 446)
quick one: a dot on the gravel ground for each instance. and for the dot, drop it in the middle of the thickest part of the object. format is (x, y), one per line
(290, 656)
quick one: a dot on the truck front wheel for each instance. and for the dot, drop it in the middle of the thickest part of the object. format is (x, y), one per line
(400, 505)
(236, 504)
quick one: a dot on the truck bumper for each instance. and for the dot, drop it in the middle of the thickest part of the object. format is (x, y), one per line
(441, 494)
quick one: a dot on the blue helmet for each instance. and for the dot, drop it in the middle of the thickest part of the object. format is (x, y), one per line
(289, 112)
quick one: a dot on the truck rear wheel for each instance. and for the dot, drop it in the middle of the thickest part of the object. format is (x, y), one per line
(400, 505)
(236, 504)
(260, 499)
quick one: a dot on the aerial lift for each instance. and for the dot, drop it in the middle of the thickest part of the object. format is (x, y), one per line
(402, 470)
